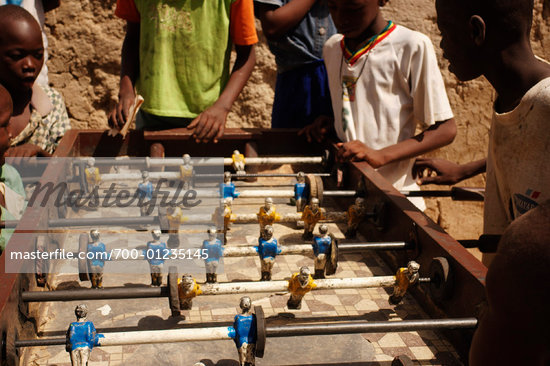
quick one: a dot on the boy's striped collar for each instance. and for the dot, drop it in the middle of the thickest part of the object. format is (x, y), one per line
(351, 57)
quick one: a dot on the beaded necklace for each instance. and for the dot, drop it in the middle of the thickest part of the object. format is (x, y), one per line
(348, 83)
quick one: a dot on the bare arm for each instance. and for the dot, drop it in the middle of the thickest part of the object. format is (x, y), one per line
(438, 135)
(210, 124)
(446, 172)
(129, 72)
(277, 21)
(50, 5)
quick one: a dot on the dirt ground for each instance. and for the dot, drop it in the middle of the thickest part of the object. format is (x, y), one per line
(85, 41)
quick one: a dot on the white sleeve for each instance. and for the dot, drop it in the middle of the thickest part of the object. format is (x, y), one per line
(427, 87)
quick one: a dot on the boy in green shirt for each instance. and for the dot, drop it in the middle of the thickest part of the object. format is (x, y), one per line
(177, 56)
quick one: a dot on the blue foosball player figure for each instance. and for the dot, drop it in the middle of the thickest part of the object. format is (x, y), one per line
(227, 188)
(214, 251)
(245, 333)
(145, 194)
(96, 260)
(268, 248)
(301, 194)
(155, 253)
(81, 337)
(321, 250)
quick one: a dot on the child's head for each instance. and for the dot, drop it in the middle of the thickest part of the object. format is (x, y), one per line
(353, 17)
(514, 329)
(6, 107)
(21, 48)
(473, 31)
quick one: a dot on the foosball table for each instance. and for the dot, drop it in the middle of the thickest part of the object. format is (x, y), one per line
(304, 261)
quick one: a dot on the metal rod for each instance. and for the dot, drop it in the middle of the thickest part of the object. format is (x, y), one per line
(306, 249)
(294, 249)
(339, 193)
(359, 247)
(94, 294)
(177, 176)
(154, 220)
(165, 336)
(288, 330)
(207, 289)
(156, 162)
(40, 342)
(369, 327)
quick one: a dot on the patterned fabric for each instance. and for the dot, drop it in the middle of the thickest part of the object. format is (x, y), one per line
(46, 130)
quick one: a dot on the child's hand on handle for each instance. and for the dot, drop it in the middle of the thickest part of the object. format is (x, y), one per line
(210, 124)
(446, 172)
(318, 130)
(120, 113)
(357, 151)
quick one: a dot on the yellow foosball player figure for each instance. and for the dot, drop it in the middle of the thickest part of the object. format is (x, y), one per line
(311, 216)
(187, 172)
(300, 284)
(187, 290)
(175, 219)
(238, 162)
(356, 214)
(267, 214)
(93, 178)
(223, 216)
(404, 278)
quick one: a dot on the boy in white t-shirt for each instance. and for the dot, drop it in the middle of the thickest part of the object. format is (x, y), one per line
(384, 80)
